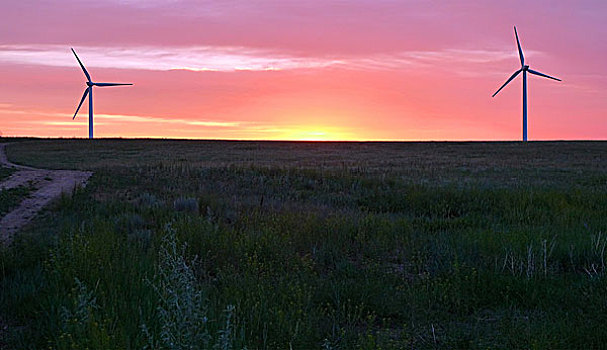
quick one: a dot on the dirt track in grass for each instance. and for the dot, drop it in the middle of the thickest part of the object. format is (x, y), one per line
(47, 184)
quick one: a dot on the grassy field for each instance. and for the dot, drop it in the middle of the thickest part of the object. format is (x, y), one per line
(270, 245)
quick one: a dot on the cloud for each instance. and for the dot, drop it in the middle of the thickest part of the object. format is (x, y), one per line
(198, 58)
(117, 118)
(230, 59)
(138, 118)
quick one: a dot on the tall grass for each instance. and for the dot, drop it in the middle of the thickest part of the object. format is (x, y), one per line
(179, 255)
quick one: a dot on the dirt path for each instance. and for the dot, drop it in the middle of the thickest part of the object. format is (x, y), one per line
(49, 184)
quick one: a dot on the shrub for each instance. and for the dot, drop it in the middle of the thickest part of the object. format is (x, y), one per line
(181, 311)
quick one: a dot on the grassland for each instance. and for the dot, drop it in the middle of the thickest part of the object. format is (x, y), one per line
(192, 244)
(9, 199)
(5, 173)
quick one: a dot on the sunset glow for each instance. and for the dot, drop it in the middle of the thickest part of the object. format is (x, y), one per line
(313, 70)
(316, 134)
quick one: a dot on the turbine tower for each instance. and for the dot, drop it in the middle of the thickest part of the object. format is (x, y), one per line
(89, 91)
(524, 69)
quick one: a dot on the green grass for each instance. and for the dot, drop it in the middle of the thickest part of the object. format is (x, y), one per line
(313, 245)
(5, 173)
(9, 199)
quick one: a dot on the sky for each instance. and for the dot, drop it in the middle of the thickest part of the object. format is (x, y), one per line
(304, 70)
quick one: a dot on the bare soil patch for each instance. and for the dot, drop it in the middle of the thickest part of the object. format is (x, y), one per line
(49, 184)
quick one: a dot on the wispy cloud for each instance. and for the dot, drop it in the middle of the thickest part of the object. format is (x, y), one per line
(116, 118)
(226, 59)
(199, 58)
(70, 124)
(149, 119)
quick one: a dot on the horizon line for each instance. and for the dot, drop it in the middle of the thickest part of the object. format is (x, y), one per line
(299, 141)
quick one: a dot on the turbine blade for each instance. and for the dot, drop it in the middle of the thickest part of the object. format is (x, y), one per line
(86, 92)
(520, 51)
(81, 65)
(542, 74)
(507, 81)
(110, 84)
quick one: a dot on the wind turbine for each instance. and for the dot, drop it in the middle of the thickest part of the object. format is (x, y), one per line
(524, 69)
(89, 91)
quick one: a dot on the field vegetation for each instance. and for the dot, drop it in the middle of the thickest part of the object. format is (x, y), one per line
(278, 245)
(10, 198)
(5, 173)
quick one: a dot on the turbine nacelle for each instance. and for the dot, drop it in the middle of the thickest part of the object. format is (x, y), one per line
(89, 83)
(525, 68)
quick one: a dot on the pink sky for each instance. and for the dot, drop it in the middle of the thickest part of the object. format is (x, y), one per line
(325, 70)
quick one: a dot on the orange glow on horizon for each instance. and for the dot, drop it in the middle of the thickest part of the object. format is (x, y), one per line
(313, 133)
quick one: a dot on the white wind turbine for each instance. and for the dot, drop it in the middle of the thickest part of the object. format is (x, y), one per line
(89, 91)
(524, 69)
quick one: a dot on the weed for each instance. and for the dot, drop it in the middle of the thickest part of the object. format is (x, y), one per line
(182, 313)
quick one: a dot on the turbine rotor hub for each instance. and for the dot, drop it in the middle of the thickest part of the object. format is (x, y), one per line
(525, 67)
(88, 83)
